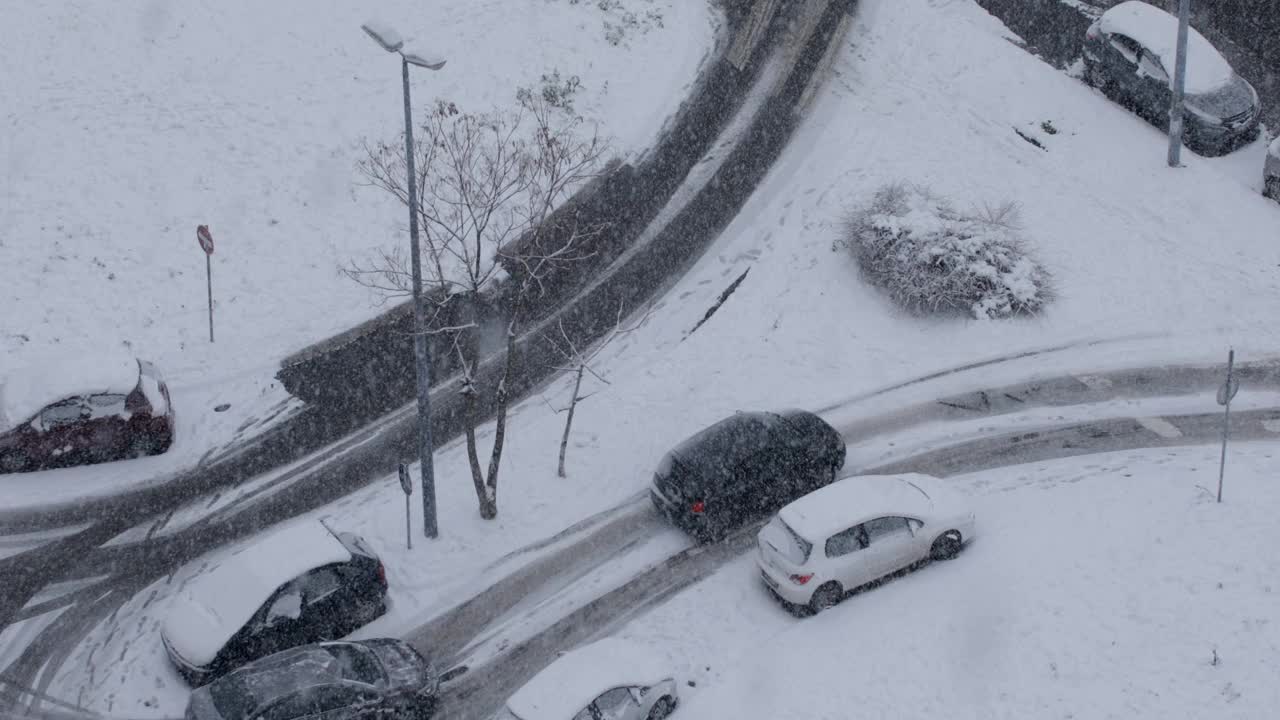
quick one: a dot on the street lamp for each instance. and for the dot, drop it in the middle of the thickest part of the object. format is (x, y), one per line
(391, 41)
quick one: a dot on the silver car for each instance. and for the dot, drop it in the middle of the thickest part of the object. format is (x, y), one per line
(1271, 173)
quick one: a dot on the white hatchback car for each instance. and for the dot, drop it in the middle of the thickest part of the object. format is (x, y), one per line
(857, 531)
(610, 679)
(1271, 173)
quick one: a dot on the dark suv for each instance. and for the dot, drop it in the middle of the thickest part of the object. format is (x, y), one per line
(1129, 56)
(745, 467)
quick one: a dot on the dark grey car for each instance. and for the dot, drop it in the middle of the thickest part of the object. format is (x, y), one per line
(1129, 56)
(1271, 172)
(355, 680)
(743, 467)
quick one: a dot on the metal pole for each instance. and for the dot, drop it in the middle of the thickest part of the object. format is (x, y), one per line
(422, 354)
(408, 524)
(1226, 422)
(208, 276)
(1179, 83)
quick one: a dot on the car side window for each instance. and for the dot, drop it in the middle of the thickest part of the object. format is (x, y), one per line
(587, 713)
(914, 525)
(62, 413)
(614, 704)
(1150, 65)
(320, 584)
(1127, 46)
(843, 543)
(885, 527)
(286, 605)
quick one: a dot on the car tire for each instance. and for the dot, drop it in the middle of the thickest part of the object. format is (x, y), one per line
(15, 461)
(1094, 77)
(947, 546)
(141, 446)
(662, 709)
(826, 597)
(1273, 188)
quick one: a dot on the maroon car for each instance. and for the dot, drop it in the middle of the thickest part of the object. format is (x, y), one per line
(78, 410)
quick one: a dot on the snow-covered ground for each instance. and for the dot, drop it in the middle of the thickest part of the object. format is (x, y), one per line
(125, 126)
(1184, 262)
(1101, 586)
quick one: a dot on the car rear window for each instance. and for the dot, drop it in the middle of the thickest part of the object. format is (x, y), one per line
(785, 540)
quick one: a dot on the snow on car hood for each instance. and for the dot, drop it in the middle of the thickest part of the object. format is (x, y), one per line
(1157, 30)
(26, 391)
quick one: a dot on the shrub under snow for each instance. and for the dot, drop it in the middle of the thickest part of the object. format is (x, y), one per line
(932, 258)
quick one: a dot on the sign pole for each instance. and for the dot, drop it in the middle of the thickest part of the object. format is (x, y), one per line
(208, 276)
(1225, 393)
(406, 484)
(205, 238)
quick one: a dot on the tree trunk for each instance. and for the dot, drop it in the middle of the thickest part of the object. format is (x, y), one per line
(488, 510)
(568, 422)
(500, 424)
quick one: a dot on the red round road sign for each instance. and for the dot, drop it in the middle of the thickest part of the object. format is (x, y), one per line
(205, 239)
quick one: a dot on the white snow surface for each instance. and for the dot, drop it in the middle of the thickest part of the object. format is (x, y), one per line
(214, 607)
(124, 127)
(1152, 266)
(1103, 586)
(70, 373)
(251, 119)
(566, 686)
(1157, 30)
(841, 505)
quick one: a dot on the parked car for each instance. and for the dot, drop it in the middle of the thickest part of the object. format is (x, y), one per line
(1271, 172)
(1129, 54)
(609, 679)
(81, 409)
(361, 679)
(744, 467)
(857, 531)
(299, 585)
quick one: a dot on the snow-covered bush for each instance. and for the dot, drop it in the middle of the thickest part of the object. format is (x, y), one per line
(933, 258)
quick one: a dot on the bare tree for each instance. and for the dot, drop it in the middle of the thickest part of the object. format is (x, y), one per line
(579, 363)
(487, 184)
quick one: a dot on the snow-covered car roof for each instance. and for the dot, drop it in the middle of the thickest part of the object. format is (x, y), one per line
(27, 390)
(216, 605)
(566, 686)
(843, 504)
(1157, 30)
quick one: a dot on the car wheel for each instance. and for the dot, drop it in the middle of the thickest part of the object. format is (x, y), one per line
(1273, 189)
(826, 597)
(662, 708)
(15, 461)
(946, 547)
(141, 446)
(1094, 76)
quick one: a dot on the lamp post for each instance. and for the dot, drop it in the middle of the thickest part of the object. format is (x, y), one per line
(391, 41)
(1179, 85)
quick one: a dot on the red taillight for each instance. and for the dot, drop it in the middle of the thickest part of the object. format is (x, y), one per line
(801, 579)
(382, 574)
(698, 507)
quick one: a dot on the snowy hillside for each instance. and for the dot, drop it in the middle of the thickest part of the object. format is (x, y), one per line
(127, 124)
